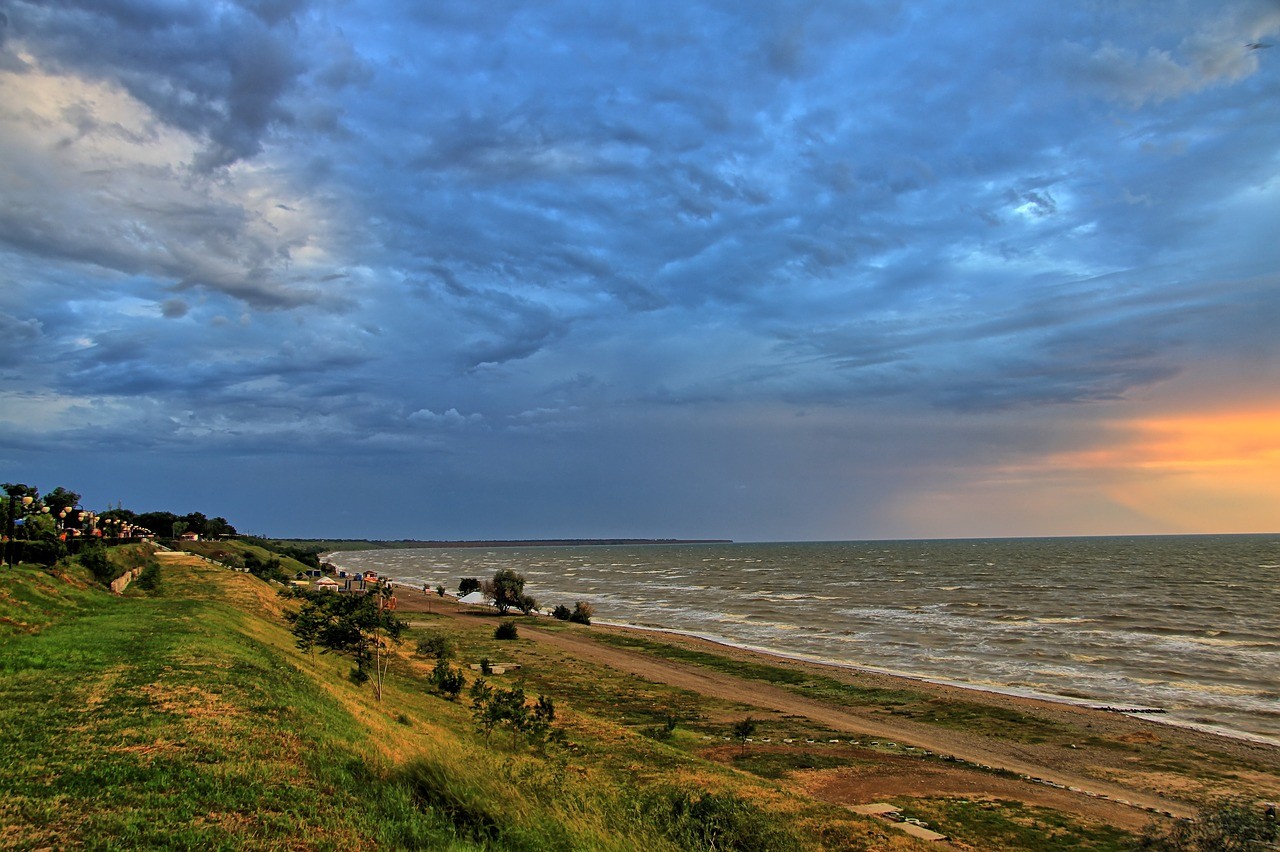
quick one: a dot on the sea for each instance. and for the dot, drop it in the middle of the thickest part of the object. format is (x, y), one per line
(1185, 625)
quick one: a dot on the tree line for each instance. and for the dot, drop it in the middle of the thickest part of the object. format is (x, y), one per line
(45, 528)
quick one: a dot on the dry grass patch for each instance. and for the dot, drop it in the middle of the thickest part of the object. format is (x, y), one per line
(193, 702)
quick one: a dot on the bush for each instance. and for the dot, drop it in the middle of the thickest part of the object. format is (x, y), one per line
(507, 708)
(44, 552)
(582, 612)
(467, 585)
(714, 821)
(506, 630)
(743, 730)
(149, 579)
(561, 612)
(447, 680)
(527, 604)
(666, 730)
(436, 645)
(440, 591)
(95, 559)
(268, 569)
(1235, 823)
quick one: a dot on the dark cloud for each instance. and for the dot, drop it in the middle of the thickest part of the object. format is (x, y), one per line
(304, 227)
(18, 340)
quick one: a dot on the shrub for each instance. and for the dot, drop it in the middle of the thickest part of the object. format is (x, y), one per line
(742, 731)
(95, 559)
(561, 612)
(268, 569)
(486, 667)
(664, 731)
(436, 645)
(440, 591)
(447, 680)
(149, 579)
(43, 552)
(467, 585)
(506, 630)
(714, 821)
(1235, 823)
(582, 612)
(527, 604)
(507, 708)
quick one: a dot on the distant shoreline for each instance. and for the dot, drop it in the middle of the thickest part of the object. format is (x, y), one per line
(368, 544)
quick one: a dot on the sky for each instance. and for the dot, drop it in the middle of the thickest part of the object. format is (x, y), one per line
(748, 270)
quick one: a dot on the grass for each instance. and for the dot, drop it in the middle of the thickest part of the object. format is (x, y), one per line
(187, 719)
(1014, 825)
(232, 552)
(969, 716)
(780, 764)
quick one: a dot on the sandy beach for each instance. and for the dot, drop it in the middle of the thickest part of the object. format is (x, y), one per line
(1126, 785)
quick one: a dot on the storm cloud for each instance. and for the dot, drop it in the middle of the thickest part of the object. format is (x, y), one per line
(740, 269)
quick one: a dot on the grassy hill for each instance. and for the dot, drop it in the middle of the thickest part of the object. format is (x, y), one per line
(185, 717)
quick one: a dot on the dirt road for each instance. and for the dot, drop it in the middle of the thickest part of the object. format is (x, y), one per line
(1065, 780)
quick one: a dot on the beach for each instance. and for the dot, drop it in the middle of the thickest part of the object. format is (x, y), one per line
(1185, 625)
(1106, 766)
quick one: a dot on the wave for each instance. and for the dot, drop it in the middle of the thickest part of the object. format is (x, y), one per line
(1184, 626)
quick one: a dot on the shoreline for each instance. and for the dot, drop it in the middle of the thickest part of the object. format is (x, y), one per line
(1069, 755)
(1150, 714)
(1112, 706)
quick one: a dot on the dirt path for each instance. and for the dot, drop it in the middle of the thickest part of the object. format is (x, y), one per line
(855, 721)
(1127, 806)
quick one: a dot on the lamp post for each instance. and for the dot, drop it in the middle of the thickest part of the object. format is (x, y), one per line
(17, 509)
(6, 545)
(24, 511)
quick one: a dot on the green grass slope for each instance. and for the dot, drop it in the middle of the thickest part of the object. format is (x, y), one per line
(184, 717)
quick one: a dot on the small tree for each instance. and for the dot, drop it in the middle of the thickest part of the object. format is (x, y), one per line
(508, 708)
(506, 630)
(482, 710)
(507, 589)
(582, 612)
(743, 730)
(544, 713)
(528, 604)
(467, 585)
(361, 627)
(447, 680)
(561, 612)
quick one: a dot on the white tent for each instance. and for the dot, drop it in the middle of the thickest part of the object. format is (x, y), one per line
(473, 598)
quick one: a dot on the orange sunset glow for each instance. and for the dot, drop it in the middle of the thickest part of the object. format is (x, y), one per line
(1214, 471)
(1194, 472)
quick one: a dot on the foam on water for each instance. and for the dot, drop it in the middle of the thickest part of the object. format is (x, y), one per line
(1189, 624)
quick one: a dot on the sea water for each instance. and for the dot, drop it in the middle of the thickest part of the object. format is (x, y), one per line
(1189, 625)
